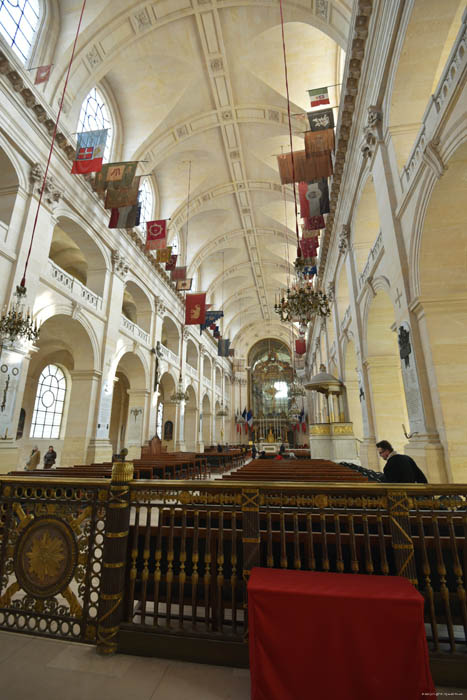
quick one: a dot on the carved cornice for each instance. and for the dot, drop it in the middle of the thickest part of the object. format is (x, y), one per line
(52, 193)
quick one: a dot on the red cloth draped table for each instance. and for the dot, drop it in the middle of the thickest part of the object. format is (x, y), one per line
(336, 637)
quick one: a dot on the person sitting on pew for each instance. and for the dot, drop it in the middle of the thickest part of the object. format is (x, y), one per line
(399, 469)
(219, 447)
(262, 455)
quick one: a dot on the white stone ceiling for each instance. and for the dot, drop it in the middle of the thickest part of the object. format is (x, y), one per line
(203, 81)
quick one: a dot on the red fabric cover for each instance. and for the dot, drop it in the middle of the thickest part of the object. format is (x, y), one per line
(300, 346)
(338, 636)
(195, 308)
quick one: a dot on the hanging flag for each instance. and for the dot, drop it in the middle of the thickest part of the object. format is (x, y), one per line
(322, 119)
(123, 196)
(178, 273)
(184, 285)
(308, 247)
(211, 318)
(312, 224)
(319, 96)
(305, 169)
(309, 270)
(195, 308)
(172, 263)
(156, 234)
(314, 198)
(115, 175)
(244, 414)
(223, 347)
(303, 420)
(216, 332)
(163, 256)
(43, 74)
(300, 346)
(89, 152)
(317, 142)
(249, 418)
(125, 217)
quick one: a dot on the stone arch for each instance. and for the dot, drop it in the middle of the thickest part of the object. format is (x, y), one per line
(430, 25)
(382, 357)
(136, 305)
(76, 251)
(366, 224)
(191, 412)
(191, 356)
(443, 297)
(170, 337)
(207, 420)
(65, 342)
(10, 175)
(129, 403)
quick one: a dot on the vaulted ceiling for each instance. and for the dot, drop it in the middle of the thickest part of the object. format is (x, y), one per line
(203, 81)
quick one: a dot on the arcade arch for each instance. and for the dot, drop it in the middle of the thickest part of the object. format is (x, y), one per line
(129, 405)
(442, 271)
(136, 306)
(170, 337)
(169, 411)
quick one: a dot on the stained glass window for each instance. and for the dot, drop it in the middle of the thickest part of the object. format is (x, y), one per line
(95, 115)
(18, 24)
(48, 407)
(146, 199)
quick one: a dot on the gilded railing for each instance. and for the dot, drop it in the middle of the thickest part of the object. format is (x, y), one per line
(176, 556)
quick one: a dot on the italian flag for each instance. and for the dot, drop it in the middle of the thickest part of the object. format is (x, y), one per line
(319, 97)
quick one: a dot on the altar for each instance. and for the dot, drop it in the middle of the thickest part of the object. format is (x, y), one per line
(272, 448)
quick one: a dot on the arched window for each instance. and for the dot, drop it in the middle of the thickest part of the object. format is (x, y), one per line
(95, 115)
(146, 199)
(48, 407)
(159, 418)
(18, 24)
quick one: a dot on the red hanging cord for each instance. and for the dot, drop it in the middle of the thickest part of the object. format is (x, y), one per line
(23, 281)
(290, 130)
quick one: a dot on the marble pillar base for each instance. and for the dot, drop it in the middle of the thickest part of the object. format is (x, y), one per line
(99, 451)
(428, 453)
(180, 446)
(369, 457)
(334, 441)
(9, 456)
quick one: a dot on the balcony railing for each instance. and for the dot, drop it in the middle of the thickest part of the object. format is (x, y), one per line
(371, 261)
(74, 287)
(135, 330)
(169, 355)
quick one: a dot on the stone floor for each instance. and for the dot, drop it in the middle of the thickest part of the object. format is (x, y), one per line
(42, 669)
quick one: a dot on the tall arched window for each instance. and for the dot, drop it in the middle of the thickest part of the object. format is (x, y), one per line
(146, 199)
(95, 115)
(18, 24)
(48, 407)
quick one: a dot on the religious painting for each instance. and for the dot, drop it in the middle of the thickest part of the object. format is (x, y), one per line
(168, 430)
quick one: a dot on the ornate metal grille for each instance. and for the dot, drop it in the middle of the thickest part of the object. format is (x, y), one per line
(52, 539)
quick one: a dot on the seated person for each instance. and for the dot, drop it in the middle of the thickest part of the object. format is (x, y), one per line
(291, 455)
(219, 448)
(262, 455)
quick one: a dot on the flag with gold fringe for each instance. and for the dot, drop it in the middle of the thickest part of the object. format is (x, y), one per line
(115, 175)
(184, 285)
(156, 234)
(123, 196)
(163, 255)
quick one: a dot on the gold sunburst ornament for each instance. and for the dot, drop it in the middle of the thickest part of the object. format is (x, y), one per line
(46, 556)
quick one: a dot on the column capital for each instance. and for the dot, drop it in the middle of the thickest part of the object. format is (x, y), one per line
(119, 265)
(344, 239)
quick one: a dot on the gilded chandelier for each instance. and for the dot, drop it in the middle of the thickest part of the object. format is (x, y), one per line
(301, 303)
(16, 324)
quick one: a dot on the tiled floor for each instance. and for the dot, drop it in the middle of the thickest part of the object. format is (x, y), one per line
(42, 669)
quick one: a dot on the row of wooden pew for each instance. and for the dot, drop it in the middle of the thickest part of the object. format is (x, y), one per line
(180, 465)
(295, 470)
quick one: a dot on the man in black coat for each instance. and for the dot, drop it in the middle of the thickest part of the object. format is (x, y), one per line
(399, 469)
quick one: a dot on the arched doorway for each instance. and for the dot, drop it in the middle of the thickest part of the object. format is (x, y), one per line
(443, 296)
(170, 337)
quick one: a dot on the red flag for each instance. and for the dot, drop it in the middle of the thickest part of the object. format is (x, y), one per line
(246, 427)
(43, 74)
(304, 426)
(195, 308)
(172, 263)
(178, 273)
(300, 346)
(308, 247)
(156, 234)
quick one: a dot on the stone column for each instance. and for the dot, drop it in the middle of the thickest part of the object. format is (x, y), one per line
(84, 391)
(14, 364)
(138, 400)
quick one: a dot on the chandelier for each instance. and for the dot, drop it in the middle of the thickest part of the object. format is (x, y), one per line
(293, 413)
(180, 394)
(222, 412)
(296, 389)
(301, 303)
(16, 325)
